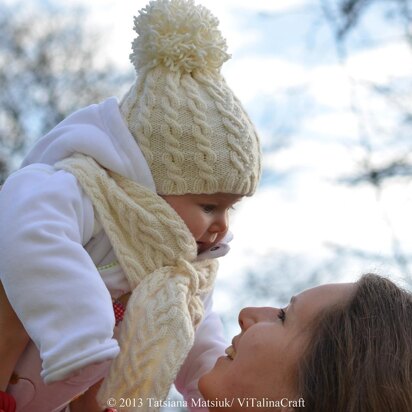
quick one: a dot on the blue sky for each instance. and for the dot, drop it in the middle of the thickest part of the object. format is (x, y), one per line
(286, 71)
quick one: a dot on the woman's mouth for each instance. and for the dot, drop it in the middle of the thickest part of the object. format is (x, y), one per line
(230, 352)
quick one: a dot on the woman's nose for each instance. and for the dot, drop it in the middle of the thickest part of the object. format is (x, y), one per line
(250, 316)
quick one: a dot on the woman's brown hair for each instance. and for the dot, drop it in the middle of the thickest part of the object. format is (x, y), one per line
(360, 355)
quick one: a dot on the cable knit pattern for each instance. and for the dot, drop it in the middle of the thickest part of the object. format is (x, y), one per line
(231, 119)
(156, 251)
(137, 112)
(171, 130)
(202, 133)
(192, 130)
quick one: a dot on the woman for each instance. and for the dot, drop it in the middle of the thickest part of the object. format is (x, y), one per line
(334, 348)
(338, 347)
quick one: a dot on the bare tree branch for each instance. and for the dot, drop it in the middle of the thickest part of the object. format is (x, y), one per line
(50, 68)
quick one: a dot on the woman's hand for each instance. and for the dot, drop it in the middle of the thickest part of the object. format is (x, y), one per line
(87, 401)
(13, 339)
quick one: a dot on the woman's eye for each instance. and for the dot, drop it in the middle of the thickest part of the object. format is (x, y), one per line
(282, 315)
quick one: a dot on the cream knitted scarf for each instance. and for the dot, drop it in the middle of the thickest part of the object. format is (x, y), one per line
(156, 251)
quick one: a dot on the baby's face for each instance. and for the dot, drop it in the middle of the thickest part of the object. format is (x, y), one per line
(206, 216)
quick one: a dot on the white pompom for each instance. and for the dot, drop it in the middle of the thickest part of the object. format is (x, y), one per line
(179, 35)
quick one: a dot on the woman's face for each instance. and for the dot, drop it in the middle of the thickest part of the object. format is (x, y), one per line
(261, 365)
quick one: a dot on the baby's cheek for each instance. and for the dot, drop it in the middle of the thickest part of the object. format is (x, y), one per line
(221, 236)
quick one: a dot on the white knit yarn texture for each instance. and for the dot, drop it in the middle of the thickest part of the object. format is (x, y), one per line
(156, 250)
(193, 131)
(178, 35)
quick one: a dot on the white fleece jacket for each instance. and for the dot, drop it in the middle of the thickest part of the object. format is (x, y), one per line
(57, 265)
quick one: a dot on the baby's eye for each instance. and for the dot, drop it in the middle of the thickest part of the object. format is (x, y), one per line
(208, 208)
(282, 315)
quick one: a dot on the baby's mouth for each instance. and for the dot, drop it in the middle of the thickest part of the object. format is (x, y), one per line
(230, 352)
(201, 247)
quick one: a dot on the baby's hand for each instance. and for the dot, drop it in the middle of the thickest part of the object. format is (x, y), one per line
(87, 401)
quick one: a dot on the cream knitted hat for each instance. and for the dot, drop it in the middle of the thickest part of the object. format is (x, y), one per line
(192, 130)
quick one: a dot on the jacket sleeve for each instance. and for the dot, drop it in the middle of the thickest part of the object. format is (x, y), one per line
(51, 281)
(208, 346)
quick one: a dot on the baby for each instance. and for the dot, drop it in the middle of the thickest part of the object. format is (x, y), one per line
(127, 198)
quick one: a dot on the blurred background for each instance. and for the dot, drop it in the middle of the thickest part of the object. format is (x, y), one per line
(328, 86)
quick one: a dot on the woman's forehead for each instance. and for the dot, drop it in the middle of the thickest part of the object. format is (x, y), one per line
(313, 300)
